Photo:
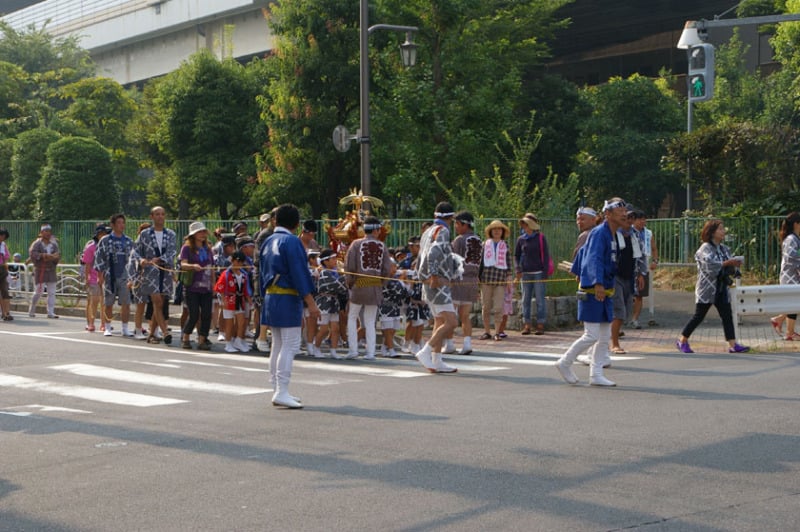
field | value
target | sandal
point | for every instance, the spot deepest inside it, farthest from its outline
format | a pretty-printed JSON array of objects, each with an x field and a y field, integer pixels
[
  {"x": 186, "y": 344},
  {"x": 527, "y": 329},
  {"x": 618, "y": 351},
  {"x": 497, "y": 338},
  {"x": 777, "y": 325},
  {"x": 168, "y": 339},
  {"x": 153, "y": 340},
  {"x": 794, "y": 337},
  {"x": 485, "y": 336}
]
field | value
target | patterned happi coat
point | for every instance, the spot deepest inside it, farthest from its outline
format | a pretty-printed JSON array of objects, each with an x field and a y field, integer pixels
[
  {"x": 790, "y": 260},
  {"x": 330, "y": 288},
  {"x": 155, "y": 280},
  {"x": 366, "y": 262},
  {"x": 395, "y": 294},
  {"x": 470, "y": 247},
  {"x": 709, "y": 260},
  {"x": 416, "y": 309},
  {"x": 436, "y": 257}
]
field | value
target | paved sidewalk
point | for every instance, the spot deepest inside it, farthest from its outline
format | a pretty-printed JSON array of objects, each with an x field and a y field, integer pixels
[{"x": 672, "y": 310}]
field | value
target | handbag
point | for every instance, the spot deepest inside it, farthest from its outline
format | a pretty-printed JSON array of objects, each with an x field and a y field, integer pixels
[{"x": 550, "y": 265}]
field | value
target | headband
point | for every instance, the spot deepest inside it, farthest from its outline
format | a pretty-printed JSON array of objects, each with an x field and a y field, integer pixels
[
  {"x": 443, "y": 214},
  {"x": 613, "y": 205},
  {"x": 586, "y": 210},
  {"x": 371, "y": 227},
  {"x": 46, "y": 227},
  {"x": 470, "y": 223}
]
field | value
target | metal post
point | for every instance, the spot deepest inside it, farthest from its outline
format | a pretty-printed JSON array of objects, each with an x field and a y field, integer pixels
[
  {"x": 689, "y": 120},
  {"x": 363, "y": 134}
]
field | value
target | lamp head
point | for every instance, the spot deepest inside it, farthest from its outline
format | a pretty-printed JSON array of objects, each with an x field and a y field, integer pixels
[
  {"x": 691, "y": 35},
  {"x": 408, "y": 51}
]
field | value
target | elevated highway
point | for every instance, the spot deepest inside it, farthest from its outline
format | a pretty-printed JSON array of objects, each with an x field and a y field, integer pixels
[{"x": 134, "y": 40}]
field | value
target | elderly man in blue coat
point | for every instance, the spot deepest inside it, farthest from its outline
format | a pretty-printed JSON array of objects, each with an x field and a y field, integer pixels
[
  {"x": 287, "y": 284},
  {"x": 596, "y": 265}
]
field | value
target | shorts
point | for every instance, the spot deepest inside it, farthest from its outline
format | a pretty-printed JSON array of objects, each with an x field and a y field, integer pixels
[
  {"x": 438, "y": 309},
  {"x": 94, "y": 290},
  {"x": 623, "y": 299},
  {"x": 391, "y": 323},
  {"x": 417, "y": 323},
  {"x": 644, "y": 292},
  {"x": 229, "y": 314},
  {"x": 457, "y": 303},
  {"x": 328, "y": 317},
  {"x": 118, "y": 292}
]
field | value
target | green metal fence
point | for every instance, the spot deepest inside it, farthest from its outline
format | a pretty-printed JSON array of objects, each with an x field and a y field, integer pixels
[{"x": 757, "y": 238}]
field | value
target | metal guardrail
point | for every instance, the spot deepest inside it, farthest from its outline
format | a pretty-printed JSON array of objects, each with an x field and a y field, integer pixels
[{"x": 69, "y": 284}]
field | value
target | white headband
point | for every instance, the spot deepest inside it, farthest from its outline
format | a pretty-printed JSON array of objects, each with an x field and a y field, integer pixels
[
  {"x": 586, "y": 210},
  {"x": 443, "y": 214},
  {"x": 613, "y": 205},
  {"x": 371, "y": 227}
]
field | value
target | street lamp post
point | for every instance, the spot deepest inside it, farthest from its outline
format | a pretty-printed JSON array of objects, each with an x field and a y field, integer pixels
[{"x": 409, "y": 55}]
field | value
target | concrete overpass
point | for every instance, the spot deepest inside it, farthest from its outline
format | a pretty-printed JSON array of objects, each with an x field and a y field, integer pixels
[{"x": 134, "y": 40}]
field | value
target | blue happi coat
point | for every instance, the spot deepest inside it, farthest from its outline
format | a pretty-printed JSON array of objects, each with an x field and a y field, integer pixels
[
  {"x": 596, "y": 263},
  {"x": 284, "y": 263}
]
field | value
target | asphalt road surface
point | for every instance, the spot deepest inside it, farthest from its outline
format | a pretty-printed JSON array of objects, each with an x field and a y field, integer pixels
[{"x": 101, "y": 434}]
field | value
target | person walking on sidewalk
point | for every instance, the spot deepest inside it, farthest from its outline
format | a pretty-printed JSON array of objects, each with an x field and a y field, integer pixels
[
  {"x": 532, "y": 257},
  {"x": 5, "y": 258},
  {"x": 155, "y": 249},
  {"x": 110, "y": 261},
  {"x": 287, "y": 283},
  {"x": 715, "y": 269},
  {"x": 45, "y": 255},
  {"x": 596, "y": 266},
  {"x": 436, "y": 268},
  {"x": 790, "y": 271},
  {"x": 465, "y": 293}
]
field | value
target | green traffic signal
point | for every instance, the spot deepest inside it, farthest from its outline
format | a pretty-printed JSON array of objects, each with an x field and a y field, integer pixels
[{"x": 700, "y": 80}]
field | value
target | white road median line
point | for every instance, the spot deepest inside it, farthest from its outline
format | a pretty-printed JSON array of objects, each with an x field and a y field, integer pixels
[
  {"x": 85, "y": 392},
  {"x": 89, "y": 370}
]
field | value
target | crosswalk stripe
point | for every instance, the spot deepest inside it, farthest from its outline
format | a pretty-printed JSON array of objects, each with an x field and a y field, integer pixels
[
  {"x": 85, "y": 392},
  {"x": 89, "y": 370},
  {"x": 360, "y": 369}
]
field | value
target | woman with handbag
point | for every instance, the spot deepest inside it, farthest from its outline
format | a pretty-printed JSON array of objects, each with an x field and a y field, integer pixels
[
  {"x": 534, "y": 266},
  {"x": 198, "y": 279},
  {"x": 715, "y": 267}
]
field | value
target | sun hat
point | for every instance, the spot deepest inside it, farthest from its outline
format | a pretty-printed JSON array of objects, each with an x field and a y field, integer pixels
[
  {"x": 196, "y": 227},
  {"x": 264, "y": 218},
  {"x": 530, "y": 220},
  {"x": 494, "y": 225}
]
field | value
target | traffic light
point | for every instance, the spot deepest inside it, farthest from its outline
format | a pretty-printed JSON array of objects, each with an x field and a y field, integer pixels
[{"x": 701, "y": 72}]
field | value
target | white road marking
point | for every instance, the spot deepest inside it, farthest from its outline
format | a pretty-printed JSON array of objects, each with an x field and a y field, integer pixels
[
  {"x": 359, "y": 369},
  {"x": 89, "y": 370},
  {"x": 212, "y": 365},
  {"x": 85, "y": 392}
]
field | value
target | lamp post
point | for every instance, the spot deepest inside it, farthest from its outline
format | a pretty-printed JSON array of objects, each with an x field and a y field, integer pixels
[{"x": 408, "y": 51}]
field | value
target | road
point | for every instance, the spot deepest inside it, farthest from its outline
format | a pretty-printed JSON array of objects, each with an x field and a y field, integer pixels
[{"x": 102, "y": 434}]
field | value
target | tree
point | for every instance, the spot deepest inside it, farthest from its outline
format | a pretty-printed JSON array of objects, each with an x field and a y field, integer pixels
[
  {"x": 209, "y": 127},
  {"x": 314, "y": 80},
  {"x": 30, "y": 157},
  {"x": 623, "y": 141},
  {"x": 6, "y": 151},
  {"x": 444, "y": 115},
  {"x": 77, "y": 183}
]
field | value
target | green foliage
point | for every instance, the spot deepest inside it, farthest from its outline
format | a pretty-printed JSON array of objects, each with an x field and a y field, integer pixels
[
  {"x": 207, "y": 124},
  {"x": 314, "y": 80},
  {"x": 6, "y": 151},
  {"x": 497, "y": 196},
  {"x": 30, "y": 157},
  {"x": 443, "y": 116},
  {"x": 77, "y": 183},
  {"x": 101, "y": 107},
  {"x": 623, "y": 141}
]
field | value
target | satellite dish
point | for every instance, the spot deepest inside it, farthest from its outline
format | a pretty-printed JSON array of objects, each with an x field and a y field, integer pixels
[{"x": 341, "y": 138}]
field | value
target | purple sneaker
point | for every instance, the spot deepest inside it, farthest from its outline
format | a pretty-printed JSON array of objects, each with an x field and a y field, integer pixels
[
  {"x": 683, "y": 347},
  {"x": 737, "y": 348}
]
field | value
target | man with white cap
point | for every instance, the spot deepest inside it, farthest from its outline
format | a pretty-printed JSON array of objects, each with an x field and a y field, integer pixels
[
  {"x": 586, "y": 220},
  {"x": 287, "y": 283},
  {"x": 45, "y": 255},
  {"x": 437, "y": 266},
  {"x": 596, "y": 266}
]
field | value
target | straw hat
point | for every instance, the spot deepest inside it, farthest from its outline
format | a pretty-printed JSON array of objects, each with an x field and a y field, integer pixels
[
  {"x": 530, "y": 220},
  {"x": 494, "y": 225},
  {"x": 196, "y": 227}
]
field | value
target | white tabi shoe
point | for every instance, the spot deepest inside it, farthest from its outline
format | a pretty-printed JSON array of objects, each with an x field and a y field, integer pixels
[
  {"x": 600, "y": 380},
  {"x": 449, "y": 347},
  {"x": 286, "y": 400},
  {"x": 440, "y": 366},
  {"x": 424, "y": 357},
  {"x": 566, "y": 373}
]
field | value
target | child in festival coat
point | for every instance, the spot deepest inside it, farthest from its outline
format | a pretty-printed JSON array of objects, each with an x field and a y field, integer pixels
[
  {"x": 330, "y": 289},
  {"x": 234, "y": 288}
]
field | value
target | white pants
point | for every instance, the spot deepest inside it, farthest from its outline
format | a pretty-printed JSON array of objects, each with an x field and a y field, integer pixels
[
  {"x": 285, "y": 343},
  {"x": 370, "y": 313},
  {"x": 594, "y": 334},
  {"x": 51, "y": 298}
]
